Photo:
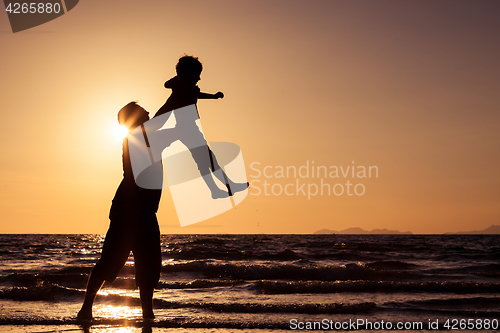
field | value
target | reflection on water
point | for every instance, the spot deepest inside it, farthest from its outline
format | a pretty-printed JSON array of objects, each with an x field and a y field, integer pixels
[
  {"x": 117, "y": 319},
  {"x": 117, "y": 312},
  {"x": 107, "y": 329}
]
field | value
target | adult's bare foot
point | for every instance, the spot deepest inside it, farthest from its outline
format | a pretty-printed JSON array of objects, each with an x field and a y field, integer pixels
[{"x": 84, "y": 315}]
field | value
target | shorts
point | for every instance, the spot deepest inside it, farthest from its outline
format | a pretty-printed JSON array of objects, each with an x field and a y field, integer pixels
[{"x": 144, "y": 242}]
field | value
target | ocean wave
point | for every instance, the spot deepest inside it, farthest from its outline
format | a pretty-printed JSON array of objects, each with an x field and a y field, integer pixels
[
  {"x": 392, "y": 265},
  {"x": 129, "y": 283},
  {"x": 182, "y": 322},
  {"x": 203, "y": 271},
  {"x": 477, "y": 302},
  {"x": 199, "y": 284},
  {"x": 472, "y": 306},
  {"x": 212, "y": 253},
  {"x": 217, "y": 241},
  {"x": 229, "y": 253},
  {"x": 320, "y": 287},
  {"x": 45, "y": 292},
  {"x": 253, "y": 271},
  {"x": 53, "y": 293},
  {"x": 486, "y": 270},
  {"x": 36, "y": 279},
  {"x": 333, "y": 308}
]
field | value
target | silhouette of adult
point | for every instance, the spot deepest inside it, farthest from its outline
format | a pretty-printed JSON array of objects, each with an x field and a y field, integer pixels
[{"x": 133, "y": 227}]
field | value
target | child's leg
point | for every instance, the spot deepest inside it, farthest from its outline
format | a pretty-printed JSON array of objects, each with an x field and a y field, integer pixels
[
  {"x": 222, "y": 176},
  {"x": 201, "y": 156},
  {"x": 198, "y": 148}
]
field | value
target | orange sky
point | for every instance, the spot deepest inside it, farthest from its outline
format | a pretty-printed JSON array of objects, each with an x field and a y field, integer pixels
[{"x": 408, "y": 86}]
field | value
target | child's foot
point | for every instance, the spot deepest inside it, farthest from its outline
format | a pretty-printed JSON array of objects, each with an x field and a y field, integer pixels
[
  {"x": 219, "y": 194},
  {"x": 238, "y": 187}
]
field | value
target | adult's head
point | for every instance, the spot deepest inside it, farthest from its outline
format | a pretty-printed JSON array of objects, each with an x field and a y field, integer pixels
[
  {"x": 189, "y": 67},
  {"x": 132, "y": 115}
]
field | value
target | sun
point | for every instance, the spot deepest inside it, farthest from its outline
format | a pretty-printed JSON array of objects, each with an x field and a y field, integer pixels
[{"x": 120, "y": 132}]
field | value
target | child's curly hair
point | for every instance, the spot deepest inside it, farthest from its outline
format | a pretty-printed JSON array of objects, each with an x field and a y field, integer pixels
[{"x": 188, "y": 65}]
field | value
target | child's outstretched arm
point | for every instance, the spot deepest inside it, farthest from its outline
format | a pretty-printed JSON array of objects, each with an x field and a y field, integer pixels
[{"x": 202, "y": 95}]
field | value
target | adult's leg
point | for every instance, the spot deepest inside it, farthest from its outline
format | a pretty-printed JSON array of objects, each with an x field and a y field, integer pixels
[
  {"x": 94, "y": 283},
  {"x": 146, "y": 294},
  {"x": 147, "y": 257},
  {"x": 114, "y": 255}
]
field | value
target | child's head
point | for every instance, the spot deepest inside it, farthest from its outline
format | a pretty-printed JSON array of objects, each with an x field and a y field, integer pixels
[
  {"x": 188, "y": 66},
  {"x": 132, "y": 115}
]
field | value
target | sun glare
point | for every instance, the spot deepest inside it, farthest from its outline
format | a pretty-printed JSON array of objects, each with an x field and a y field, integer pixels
[{"x": 120, "y": 132}]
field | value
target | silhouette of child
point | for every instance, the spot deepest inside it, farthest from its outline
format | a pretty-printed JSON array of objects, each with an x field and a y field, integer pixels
[
  {"x": 184, "y": 89},
  {"x": 185, "y": 92}
]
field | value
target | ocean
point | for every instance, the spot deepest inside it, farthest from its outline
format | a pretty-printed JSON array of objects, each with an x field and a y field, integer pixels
[{"x": 260, "y": 283}]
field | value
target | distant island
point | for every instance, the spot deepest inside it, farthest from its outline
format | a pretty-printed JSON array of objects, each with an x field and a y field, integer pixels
[
  {"x": 362, "y": 231},
  {"x": 493, "y": 230}
]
